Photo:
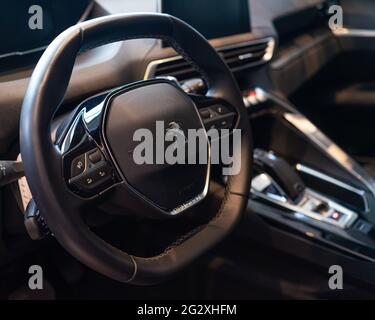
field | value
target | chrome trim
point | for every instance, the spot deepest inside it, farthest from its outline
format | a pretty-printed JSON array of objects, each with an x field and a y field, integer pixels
[
  {"x": 311, "y": 132},
  {"x": 301, "y": 213},
  {"x": 351, "y": 216},
  {"x": 189, "y": 204},
  {"x": 268, "y": 55},
  {"x": 268, "y": 182},
  {"x": 69, "y": 135},
  {"x": 22, "y": 53},
  {"x": 322, "y": 176},
  {"x": 306, "y": 127},
  {"x": 150, "y": 69},
  {"x": 345, "y": 32}
]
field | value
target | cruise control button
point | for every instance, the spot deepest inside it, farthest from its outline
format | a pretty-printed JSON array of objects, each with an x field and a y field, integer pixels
[
  {"x": 94, "y": 178},
  {"x": 88, "y": 181},
  {"x": 78, "y": 166},
  {"x": 95, "y": 156}
]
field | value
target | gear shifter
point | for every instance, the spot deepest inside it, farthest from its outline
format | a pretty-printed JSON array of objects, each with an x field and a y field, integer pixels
[
  {"x": 276, "y": 181},
  {"x": 281, "y": 172}
]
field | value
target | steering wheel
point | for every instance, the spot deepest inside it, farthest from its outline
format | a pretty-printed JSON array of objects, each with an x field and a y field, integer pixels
[{"x": 91, "y": 155}]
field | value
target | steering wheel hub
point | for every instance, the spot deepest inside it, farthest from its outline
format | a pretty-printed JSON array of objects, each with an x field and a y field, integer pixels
[{"x": 136, "y": 129}]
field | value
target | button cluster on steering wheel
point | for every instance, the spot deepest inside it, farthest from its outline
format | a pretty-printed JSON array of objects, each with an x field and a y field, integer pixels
[
  {"x": 87, "y": 170},
  {"x": 217, "y": 117},
  {"x": 93, "y": 170},
  {"x": 90, "y": 173}
]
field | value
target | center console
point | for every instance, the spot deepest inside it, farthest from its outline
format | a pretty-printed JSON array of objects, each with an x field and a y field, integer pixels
[{"x": 305, "y": 184}]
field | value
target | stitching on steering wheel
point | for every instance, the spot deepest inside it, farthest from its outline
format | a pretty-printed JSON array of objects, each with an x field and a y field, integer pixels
[{"x": 191, "y": 233}]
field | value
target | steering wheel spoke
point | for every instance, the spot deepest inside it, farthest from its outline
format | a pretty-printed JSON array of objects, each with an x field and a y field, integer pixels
[{"x": 87, "y": 168}]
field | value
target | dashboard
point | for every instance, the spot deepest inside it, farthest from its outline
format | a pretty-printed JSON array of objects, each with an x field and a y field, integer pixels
[{"x": 246, "y": 38}]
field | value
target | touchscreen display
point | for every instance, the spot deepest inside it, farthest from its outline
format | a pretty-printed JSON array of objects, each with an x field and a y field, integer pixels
[{"x": 212, "y": 18}]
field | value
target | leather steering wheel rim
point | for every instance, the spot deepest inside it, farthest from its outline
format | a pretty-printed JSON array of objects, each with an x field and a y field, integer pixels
[{"x": 42, "y": 162}]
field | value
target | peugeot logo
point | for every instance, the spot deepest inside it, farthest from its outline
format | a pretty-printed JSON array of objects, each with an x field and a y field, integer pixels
[{"x": 173, "y": 131}]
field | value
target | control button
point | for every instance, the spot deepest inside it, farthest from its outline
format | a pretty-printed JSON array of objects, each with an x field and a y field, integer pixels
[
  {"x": 102, "y": 174},
  {"x": 94, "y": 179},
  {"x": 205, "y": 113},
  {"x": 336, "y": 215},
  {"x": 221, "y": 109},
  {"x": 95, "y": 156},
  {"x": 322, "y": 208},
  {"x": 87, "y": 181},
  {"x": 78, "y": 166},
  {"x": 226, "y": 123}
]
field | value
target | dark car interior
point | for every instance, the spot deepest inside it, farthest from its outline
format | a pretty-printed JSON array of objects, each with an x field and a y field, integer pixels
[{"x": 71, "y": 201}]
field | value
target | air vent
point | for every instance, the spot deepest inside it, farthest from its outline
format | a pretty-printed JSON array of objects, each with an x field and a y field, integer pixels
[
  {"x": 237, "y": 57},
  {"x": 176, "y": 67},
  {"x": 249, "y": 54}
]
